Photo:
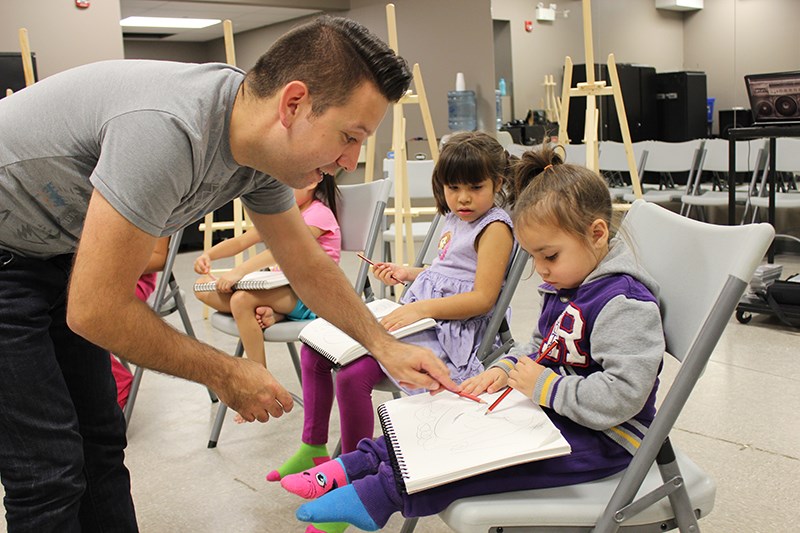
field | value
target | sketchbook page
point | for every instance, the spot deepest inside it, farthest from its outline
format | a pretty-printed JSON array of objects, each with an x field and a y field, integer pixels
[
  {"x": 443, "y": 438},
  {"x": 339, "y": 347}
]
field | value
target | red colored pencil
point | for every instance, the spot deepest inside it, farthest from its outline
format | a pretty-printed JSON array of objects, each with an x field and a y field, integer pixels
[
  {"x": 509, "y": 389},
  {"x": 470, "y": 397},
  {"x": 498, "y": 400},
  {"x": 373, "y": 264}
]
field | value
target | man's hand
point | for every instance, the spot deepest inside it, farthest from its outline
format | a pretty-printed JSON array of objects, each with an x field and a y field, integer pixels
[
  {"x": 253, "y": 392},
  {"x": 415, "y": 367}
]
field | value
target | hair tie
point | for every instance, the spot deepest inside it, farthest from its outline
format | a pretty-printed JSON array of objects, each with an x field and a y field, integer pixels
[{"x": 546, "y": 168}]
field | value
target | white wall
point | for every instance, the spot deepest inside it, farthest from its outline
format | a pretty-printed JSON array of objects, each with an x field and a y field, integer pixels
[
  {"x": 731, "y": 38},
  {"x": 61, "y": 35}
]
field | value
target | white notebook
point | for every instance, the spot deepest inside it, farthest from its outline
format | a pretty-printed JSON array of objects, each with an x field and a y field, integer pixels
[
  {"x": 339, "y": 347},
  {"x": 254, "y": 281},
  {"x": 442, "y": 438}
]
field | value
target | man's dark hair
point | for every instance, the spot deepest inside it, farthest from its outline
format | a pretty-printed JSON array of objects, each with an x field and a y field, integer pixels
[{"x": 332, "y": 56}]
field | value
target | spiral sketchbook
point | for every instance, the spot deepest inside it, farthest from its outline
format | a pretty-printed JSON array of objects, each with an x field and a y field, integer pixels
[
  {"x": 433, "y": 440},
  {"x": 339, "y": 347},
  {"x": 254, "y": 281}
]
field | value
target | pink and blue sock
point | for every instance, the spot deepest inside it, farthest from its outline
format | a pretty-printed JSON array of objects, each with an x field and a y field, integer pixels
[
  {"x": 316, "y": 481},
  {"x": 341, "y": 505}
]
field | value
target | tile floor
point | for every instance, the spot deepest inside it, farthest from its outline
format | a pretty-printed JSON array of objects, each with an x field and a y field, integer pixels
[{"x": 741, "y": 425}]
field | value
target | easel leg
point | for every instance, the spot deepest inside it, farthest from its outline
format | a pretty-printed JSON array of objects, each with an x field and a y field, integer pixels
[{"x": 619, "y": 103}]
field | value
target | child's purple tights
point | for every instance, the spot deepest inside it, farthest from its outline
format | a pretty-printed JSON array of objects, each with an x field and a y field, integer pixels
[{"x": 354, "y": 384}]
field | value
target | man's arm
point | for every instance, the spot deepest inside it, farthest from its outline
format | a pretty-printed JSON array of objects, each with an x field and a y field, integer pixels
[
  {"x": 102, "y": 307},
  {"x": 323, "y": 287}
]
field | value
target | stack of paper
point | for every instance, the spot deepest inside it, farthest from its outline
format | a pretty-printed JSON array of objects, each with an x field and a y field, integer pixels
[{"x": 764, "y": 276}]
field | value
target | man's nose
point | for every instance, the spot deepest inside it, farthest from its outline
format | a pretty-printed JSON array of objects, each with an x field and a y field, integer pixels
[{"x": 349, "y": 158}]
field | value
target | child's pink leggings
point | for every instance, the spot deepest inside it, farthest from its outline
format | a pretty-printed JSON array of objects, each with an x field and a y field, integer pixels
[{"x": 354, "y": 384}]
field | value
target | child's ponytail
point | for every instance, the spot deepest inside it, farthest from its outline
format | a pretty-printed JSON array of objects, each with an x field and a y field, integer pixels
[{"x": 531, "y": 166}]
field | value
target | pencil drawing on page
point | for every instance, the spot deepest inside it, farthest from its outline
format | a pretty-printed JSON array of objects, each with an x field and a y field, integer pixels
[{"x": 460, "y": 427}]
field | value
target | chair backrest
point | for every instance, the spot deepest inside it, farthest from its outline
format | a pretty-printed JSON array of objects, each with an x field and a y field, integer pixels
[
  {"x": 702, "y": 270},
  {"x": 670, "y": 246},
  {"x": 787, "y": 154},
  {"x": 716, "y": 156},
  {"x": 505, "y": 139},
  {"x": 672, "y": 156},
  {"x": 419, "y": 177},
  {"x": 612, "y": 156},
  {"x": 360, "y": 226},
  {"x": 574, "y": 154}
]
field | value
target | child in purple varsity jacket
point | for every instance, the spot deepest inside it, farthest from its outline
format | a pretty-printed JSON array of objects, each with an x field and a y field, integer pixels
[{"x": 598, "y": 384}]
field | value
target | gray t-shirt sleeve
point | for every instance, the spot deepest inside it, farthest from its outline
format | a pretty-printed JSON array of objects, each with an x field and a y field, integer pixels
[{"x": 145, "y": 167}]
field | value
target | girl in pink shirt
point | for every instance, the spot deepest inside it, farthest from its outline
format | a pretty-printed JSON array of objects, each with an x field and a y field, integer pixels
[{"x": 256, "y": 310}]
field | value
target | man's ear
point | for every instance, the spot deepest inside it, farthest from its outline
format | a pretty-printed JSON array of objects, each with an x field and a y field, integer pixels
[
  {"x": 599, "y": 232},
  {"x": 294, "y": 97}
]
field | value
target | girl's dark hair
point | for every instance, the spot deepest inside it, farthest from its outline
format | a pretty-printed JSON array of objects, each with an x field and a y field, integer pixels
[
  {"x": 332, "y": 56},
  {"x": 327, "y": 192},
  {"x": 548, "y": 191},
  {"x": 469, "y": 158}
]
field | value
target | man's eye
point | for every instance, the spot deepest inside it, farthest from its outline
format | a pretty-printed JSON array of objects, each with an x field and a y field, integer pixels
[{"x": 551, "y": 257}]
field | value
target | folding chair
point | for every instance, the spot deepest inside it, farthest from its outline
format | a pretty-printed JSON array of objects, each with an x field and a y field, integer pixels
[
  {"x": 787, "y": 163},
  {"x": 703, "y": 270},
  {"x": 165, "y": 300},
  {"x": 360, "y": 228},
  {"x": 715, "y": 162},
  {"x": 613, "y": 164},
  {"x": 667, "y": 158}
]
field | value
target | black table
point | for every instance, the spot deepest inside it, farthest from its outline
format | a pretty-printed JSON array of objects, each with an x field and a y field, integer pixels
[{"x": 746, "y": 134}]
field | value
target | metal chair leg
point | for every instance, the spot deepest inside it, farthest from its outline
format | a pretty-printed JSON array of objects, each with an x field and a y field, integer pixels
[
  {"x": 222, "y": 409},
  {"x": 134, "y": 392}
]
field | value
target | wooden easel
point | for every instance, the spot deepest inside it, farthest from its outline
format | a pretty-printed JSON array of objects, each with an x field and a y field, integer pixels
[
  {"x": 240, "y": 220},
  {"x": 403, "y": 212},
  {"x": 27, "y": 62},
  {"x": 592, "y": 89},
  {"x": 551, "y": 102}
]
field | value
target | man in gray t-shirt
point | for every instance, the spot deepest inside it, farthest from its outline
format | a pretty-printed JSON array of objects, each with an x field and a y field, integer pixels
[{"x": 96, "y": 164}]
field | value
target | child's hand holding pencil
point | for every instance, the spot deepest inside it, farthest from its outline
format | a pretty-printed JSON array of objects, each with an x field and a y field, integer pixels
[
  {"x": 523, "y": 376},
  {"x": 384, "y": 271}
]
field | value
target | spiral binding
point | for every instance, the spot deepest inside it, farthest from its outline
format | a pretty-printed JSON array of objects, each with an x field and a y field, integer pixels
[
  {"x": 395, "y": 454},
  {"x": 317, "y": 348},
  {"x": 251, "y": 285}
]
